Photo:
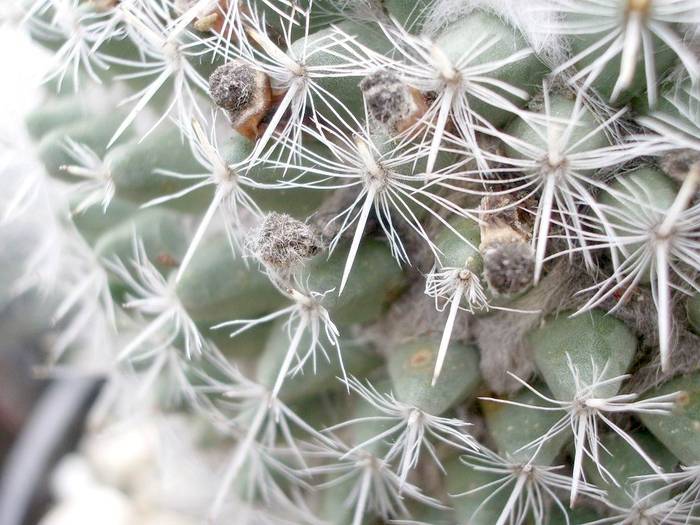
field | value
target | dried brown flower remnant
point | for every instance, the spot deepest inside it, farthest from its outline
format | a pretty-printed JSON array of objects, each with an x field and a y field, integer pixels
[
  {"x": 391, "y": 102},
  {"x": 244, "y": 93},
  {"x": 509, "y": 261},
  {"x": 282, "y": 243}
]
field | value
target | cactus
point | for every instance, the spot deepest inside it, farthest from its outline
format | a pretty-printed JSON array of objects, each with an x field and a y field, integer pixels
[{"x": 291, "y": 225}]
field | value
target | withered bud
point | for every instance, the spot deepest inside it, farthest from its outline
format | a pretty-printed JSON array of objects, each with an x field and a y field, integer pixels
[
  {"x": 678, "y": 164},
  {"x": 509, "y": 267},
  {"x": 509, "y": 260},
  {"x": 244, "y": 92},
  {"x": 282, "y": 243},
  {"x": 391, "y": 102}
]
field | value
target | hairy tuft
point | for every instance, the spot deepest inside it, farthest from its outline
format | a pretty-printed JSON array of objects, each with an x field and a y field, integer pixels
[
  {"x": 282, "y": 243},
  {"x": 390, "y": 101}
]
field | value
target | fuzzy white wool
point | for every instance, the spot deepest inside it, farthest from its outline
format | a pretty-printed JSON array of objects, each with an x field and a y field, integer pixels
[
  {"x": 102, "y": 505},
  {"x": 120, "y": 455},
  {"x": 528, "y": 16}
]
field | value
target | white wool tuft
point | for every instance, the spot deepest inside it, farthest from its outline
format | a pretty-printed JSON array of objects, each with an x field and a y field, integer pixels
[{"x": 530, "y": 17}]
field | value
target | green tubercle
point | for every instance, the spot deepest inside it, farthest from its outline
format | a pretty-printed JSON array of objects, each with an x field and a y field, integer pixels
[
  {"x": 625, "y": 465},
  {"x": 692, "y": 310},
  {"x": 314, "y": 377},
  {"x": 217, "y": 287},
  {"x": 94, "y": 133},
  {"x": 679, "y": 431},
  {"x": 513, "y": 428},
  {"x": 455, "y": 253},
  {"x": 591, "y": 341},
  {"x": 375, "y": 282},
  {"x": 411, "y": 368}
]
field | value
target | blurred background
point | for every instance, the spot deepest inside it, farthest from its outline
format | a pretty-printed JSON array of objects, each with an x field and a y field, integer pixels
[{"x": 41, "y": 418}]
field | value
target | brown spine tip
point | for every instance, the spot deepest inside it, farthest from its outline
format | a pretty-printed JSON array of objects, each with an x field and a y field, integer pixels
[
  {"x": 392, "y": 102},
  {"x": 244, "y": 93}
]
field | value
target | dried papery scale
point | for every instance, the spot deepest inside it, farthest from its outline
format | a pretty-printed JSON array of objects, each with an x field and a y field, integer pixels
[
  {"x": 391, "y": 102},
  {"x": 219, "y": 16},
  {"x": 244, "y": 93},
  {"x": 628, "y": 42},
  {"x": 551, "y": 160},
  {"x": 282, "y": 245},
  {"x": 458, "y": 280},
  {"x": 508, "y": 258}
]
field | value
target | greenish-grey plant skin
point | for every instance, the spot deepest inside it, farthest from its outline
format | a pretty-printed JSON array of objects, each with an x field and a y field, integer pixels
[
  {"x": 679, "y": 430},
  {"x": 93, "y": 222},
  {"x": 579, "y": 515},
  {"x": 60, "y": 112},
  {"x": 454, "y": 252},
  {"x": 527, "y": 73},
  {"x": 93, "y": 132},
  {"x": 664, "y": 59},
  {"x": 561, "y": 106},
  {"x": 160, "y": 231},
  {"x": 216, "y": 287},
  {"x": 590, "y": 340},
  {"x": 332, "y": 508},
  {"x": 133, "y": 167},
  {"x": 297, "y": 202},
  {"x": 225, "y": 285},
  {"x": 410, "y": 14},
  {"x": 513, "y": 429},
  {"x": 411, "y": 368},
  {"x": 376, "y": 282},
  {"x": 345, "y": 88},
  {"x": 462, "y": 478},
  {"x": 358, "y": 359},
  {"x": 370, "y": 424},
  {"x": 245, "y": 346},
  {"x": 626, "y": 466}
]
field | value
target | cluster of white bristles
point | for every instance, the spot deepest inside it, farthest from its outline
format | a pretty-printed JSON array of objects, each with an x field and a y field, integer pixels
[{"x": 388, "y": 182}]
